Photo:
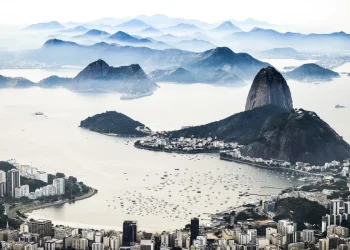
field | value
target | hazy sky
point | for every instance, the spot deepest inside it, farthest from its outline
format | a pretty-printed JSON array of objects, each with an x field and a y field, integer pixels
[{"x": 316, "y": 14}]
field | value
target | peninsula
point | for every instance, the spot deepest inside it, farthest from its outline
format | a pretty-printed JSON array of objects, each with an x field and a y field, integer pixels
[
  {"x": 269, "y": 128},
  {"x": 31, "y": 189}
]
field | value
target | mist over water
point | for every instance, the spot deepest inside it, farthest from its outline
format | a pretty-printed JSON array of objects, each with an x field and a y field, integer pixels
[{"x": 113, "y": 166}]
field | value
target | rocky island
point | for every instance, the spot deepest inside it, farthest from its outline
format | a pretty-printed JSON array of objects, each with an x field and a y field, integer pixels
[
  {"x": 271, "y": 129},
  {"x": 125, "y": 79},
  {"x": 311, "y": 72},
  {"x": 114, "y": 123}
]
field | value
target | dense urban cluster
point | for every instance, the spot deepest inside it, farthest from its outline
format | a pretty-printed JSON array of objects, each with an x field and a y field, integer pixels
[
  {"x": 160, "y": 141},
  {"x": 254, "y": 226},
  {"x": 331, "y": 167},
  {"x": 10, "y": 183}
]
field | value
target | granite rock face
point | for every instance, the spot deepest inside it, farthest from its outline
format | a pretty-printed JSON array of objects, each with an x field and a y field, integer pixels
[
  {"x": 92, "y": 71},
  {"x": 269, "y": 88}
]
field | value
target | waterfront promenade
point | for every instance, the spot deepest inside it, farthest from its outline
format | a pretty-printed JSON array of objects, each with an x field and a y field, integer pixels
[{"x": 27, "y": 208}]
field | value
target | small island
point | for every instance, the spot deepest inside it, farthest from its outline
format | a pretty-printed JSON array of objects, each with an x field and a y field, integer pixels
[
  {"x": 115, "y": 124},
  {"x": 311, "y": 72},
  {"x": 339, "y": 106}
]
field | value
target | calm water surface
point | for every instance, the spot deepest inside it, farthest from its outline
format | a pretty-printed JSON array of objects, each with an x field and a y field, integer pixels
[{"x": 150, "y": 189}]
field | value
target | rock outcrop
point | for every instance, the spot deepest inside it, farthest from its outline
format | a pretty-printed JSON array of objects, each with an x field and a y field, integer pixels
[
  {"x": 269, "y": 88},
  {"x": 93, "y": 71}
]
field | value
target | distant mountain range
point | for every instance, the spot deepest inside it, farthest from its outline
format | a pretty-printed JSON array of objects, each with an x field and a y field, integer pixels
[
  {"x": 97, "y": 76},
  {"x": 163, "y": 21},
  {"x": 94, "y": 33},
  {"x": 60, "y": 52},
  {"x": 45, "y": 26},
  {"x": 240, "y": 64},
  {"x": 194, "y": 45},
  {"x": 264, "y": 39},
  {"x": 132, "y": 25},
  {"x": 123, "y": 37},
  {"x": 281, "y": 53},
  {"x": 226, "y": 28},
  {"x": 150, "y": 32},
  {"x": 76, "y": 29},
  {"x": 181, "y": 75},
  {"x": 177, "y": 75},
  {"x": 14, "y": 82},
  {"x": 182, "y": 28}
]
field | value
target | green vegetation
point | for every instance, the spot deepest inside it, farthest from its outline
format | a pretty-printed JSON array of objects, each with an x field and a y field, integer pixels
[
  {"x": 249, "y": 214},
  {"x": 33, "y": 184},
  {"x": 5, "y": 166},
  {"x": 300, "y": 210},
  {"x": 73, "y": 188},
  {"x": 4, "y": 219},
  {"x": 113, "y": 122},
  {"x": 271, "y": 132},
  {"x": 339, "y": 185}
]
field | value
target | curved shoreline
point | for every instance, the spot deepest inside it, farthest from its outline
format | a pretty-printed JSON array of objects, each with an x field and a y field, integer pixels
[
  {"x": 24, "y": 209},
  {"x": 267, "y": 167},
  {"x": 206, "y": 151}
]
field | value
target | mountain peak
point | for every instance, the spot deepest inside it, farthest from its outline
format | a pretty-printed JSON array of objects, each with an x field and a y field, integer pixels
[
  {"x": 58, "y": 42},
  {"x": 227, "y": 26},
  {"x": 220, "y": 51},
  {"x": 94, "y": 70},
  {"x": 45, "y": 26},
  {"x": 269, "y": 88},
  {"x": 133, "y": 23},
  {"x": 96, "y": 32}
]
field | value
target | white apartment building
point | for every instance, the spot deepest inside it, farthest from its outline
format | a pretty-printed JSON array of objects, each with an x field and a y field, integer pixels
[
  {"x": 31, "y": 246},
  {"x": 97, "y": 246},
  {"x": 114, "y": 242},
  {"x": 22, "y": 191},
  {"x": 59, "y": 184},
  {"x": 2, "y": 176}
]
